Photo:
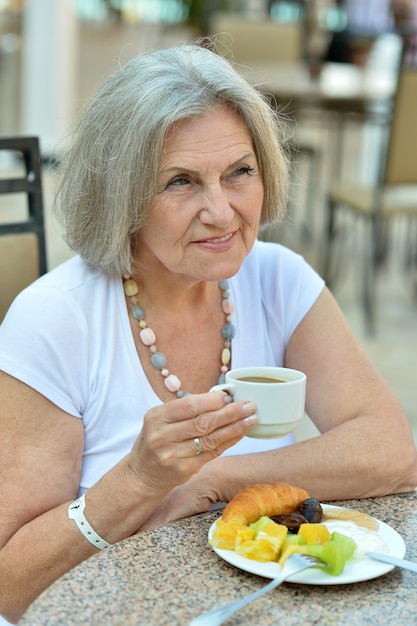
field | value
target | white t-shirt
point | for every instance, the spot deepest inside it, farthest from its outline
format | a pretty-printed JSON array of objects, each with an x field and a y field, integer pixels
[{"x": 68, "y": 336}]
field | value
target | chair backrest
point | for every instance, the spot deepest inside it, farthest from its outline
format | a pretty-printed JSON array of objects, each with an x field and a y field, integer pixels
[
  {"x": 401, "y": 162},
  {"x": 22, "y": 232},
  {"x": 250, "y": 40}
]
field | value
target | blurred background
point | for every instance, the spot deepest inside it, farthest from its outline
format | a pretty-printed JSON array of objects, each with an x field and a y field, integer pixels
[{"x": 331, "y": 68}]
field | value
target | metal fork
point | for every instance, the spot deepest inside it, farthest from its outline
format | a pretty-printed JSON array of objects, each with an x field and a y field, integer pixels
[{"x": 295, "y": 564}]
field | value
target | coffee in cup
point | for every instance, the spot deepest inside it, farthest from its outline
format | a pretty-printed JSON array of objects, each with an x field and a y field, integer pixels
[{"x": 277, "y": 392}]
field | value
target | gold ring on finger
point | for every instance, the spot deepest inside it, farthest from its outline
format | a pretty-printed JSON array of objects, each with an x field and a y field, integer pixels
[{"x": 198, "y": 447}]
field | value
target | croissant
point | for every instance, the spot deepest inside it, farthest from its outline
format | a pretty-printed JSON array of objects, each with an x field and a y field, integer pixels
[{"x": 270, "y": 499}]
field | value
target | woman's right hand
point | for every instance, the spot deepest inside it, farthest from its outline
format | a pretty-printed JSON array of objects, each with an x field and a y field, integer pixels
[{"x": 165, "y": 454}]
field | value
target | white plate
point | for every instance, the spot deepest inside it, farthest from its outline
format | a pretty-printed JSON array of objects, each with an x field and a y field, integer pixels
[{"x": 356, "y": 570}]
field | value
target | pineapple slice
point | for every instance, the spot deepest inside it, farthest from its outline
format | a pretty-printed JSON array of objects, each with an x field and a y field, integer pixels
[
  {"x": 315, "y": 533},
  {"x": 258, "y": 550},
  {"x": 227, "y": 535}
]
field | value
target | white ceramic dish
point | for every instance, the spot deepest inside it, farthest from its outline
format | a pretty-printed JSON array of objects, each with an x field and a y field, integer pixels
[{"x": 356, "y": 570}]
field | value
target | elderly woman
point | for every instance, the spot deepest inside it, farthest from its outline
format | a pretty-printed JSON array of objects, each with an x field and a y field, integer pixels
[{"x": 106, "y": 423}]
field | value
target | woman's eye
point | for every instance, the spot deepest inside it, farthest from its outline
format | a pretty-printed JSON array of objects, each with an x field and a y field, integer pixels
[
  {"x": 178, "y": 182},
  {"x": 242, "y": 171}
]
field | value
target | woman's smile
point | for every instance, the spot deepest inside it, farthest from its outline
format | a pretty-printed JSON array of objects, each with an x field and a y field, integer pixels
[{"x": 218, "y": 244}]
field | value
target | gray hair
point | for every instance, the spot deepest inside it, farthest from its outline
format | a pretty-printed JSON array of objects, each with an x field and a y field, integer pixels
[{"x": 109, "y": 174}]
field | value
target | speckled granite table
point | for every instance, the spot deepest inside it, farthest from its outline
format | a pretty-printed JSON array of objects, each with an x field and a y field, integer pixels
[{"x": 169, "y": 575}]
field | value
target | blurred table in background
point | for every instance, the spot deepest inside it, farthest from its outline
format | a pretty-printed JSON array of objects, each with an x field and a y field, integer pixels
[
  {"x": 327, "y": 106},
  {"x": 339, "y": 87}
]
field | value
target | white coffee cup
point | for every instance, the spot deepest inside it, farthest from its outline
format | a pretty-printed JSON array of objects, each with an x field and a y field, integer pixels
[{"x": 277, "y": 392}]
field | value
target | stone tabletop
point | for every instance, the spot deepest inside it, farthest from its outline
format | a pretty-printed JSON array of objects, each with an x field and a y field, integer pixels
[{"x": 169, "y": 575}]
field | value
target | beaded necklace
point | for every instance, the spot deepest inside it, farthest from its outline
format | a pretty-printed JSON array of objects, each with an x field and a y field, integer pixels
[{"x": 148, "y": 337}]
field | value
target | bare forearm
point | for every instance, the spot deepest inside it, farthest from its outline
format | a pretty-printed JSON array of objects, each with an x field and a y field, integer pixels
[
  {"x": 355, "y": 460},
  {"x": 51, "y": 544}
]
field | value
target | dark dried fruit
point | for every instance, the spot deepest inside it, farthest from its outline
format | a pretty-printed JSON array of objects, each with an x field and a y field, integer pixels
[
  {"x": 292, "y": 521},
  {"x": 312, "y": 511}
]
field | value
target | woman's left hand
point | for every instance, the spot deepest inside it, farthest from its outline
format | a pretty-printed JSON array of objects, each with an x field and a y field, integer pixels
[{"x": 194, "y": 496}]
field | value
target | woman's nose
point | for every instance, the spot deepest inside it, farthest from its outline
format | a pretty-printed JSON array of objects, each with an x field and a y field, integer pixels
[{"x": 216, "y": 209}]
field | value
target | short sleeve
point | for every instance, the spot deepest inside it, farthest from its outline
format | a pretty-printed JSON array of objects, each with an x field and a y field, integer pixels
[{"x": 43, "y": 343}]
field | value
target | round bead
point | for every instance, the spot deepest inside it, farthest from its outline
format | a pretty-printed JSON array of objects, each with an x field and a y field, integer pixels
[
  {"x": 158, "y": 360},
  {"x": 172, "y": 383},
  {"x": 228, "y": 331},
  {"x": 224, "y": 369},
  {"x": 224, "y": 284},
  {"x": 147, "y": 336},
  {"x": 142, "y": 324},
  {"x": 164, "y": 372},
  {"x": 227, "y": 307},
  {"x": 137, "y": 312},
  {"x": 226, "y": 356},
  {"x": 130, "y": 287},
  {"x": 180, "y": 393}
]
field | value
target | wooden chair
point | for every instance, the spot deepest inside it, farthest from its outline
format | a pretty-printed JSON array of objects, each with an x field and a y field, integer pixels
[
  {"x": 22, "y": 232},
  {"x": 393, "y": 195}
]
